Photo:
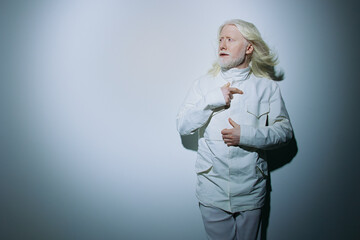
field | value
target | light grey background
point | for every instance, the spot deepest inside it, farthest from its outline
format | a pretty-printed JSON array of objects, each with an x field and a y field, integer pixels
[{"x": 89, "y": 96}]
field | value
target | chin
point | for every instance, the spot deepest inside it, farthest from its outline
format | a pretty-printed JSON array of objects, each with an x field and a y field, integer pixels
[
  {"x": 230, "y": 63},
  {"x": 225, "y": 64}
]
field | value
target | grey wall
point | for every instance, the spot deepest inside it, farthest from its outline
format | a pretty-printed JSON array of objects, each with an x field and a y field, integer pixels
[{"x": 89, "y": 95}]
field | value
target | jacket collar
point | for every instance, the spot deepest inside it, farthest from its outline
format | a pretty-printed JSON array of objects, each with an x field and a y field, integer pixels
[{"x": 236, "y": 74}]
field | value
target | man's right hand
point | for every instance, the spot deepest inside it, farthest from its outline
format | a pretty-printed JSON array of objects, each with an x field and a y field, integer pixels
[{"x": 228, "y": 92}]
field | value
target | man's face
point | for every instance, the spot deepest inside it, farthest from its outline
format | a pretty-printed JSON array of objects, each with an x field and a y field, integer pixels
[{"x": 233, "y": 48}]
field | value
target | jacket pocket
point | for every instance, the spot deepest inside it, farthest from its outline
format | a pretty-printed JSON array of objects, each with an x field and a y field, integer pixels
[
  {"x": 262, "y": 169},
  {"x": 258, "y": 113},
  {"x": 258, "y": 109}
]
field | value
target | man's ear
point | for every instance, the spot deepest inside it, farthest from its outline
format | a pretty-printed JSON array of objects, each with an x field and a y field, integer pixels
[{"x": 249, "y": 49}]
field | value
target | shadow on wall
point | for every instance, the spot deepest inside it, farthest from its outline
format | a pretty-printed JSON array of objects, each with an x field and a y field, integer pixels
[{"x": 276, "y": 159}]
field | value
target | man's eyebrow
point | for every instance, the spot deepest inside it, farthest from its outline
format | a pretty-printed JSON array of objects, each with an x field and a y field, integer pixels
[{"x": 225, "y": 37}]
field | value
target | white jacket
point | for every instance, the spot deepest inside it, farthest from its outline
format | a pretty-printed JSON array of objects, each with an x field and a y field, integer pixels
[{"x": 234, "y": 178}]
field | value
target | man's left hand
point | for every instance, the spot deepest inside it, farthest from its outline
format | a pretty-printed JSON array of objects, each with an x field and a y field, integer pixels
[{"x": 231, "y": 137}]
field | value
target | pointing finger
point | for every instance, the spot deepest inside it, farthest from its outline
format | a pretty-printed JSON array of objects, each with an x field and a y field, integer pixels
[{"x": 235, "y": 90}]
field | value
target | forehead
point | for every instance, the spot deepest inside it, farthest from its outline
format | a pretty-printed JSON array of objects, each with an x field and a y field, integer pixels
[{"x": 230, "y": 31}]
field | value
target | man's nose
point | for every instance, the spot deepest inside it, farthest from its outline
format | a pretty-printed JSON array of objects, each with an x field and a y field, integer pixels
[{"x": 222, "y": 45}]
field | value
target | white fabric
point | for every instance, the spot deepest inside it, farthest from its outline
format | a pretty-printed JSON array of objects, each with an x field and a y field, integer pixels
[
  {"x": 234, "y": 178},
  {"x": 219, "y": 224}
]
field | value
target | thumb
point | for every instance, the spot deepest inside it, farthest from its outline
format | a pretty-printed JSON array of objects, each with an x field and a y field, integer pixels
[{"x": 233, "y": 123}]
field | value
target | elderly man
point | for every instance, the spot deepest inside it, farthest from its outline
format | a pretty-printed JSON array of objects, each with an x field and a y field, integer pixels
[{"x": 238, "y": 112}]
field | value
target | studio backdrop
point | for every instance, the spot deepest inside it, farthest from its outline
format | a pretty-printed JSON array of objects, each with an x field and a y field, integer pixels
[{"x": 89, "y": 96}]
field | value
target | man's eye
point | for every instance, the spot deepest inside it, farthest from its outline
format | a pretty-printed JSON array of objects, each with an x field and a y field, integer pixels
[{"x": 229, "y": 39}]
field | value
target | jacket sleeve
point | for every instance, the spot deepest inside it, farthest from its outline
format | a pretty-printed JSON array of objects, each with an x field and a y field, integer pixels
[
  {"x": 197, "y": 108},
  {"x": 277, "y": 132}
]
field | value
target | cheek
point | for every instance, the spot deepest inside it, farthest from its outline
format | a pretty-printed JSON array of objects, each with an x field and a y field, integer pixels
[{"x": 238, "y": 52}]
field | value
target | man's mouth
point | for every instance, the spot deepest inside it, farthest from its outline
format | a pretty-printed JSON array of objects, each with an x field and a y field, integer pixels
[{"x": 222, "y": 54}]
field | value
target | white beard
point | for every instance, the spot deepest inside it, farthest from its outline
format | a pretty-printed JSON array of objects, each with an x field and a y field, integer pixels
[{"x": 231, "y": 63}]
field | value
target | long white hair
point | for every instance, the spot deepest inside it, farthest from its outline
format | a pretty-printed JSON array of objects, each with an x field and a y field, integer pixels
[{"x": 262, "y": 61}]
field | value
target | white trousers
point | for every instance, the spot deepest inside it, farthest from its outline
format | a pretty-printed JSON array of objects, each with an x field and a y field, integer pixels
[{"x": 222, "y": 225}]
